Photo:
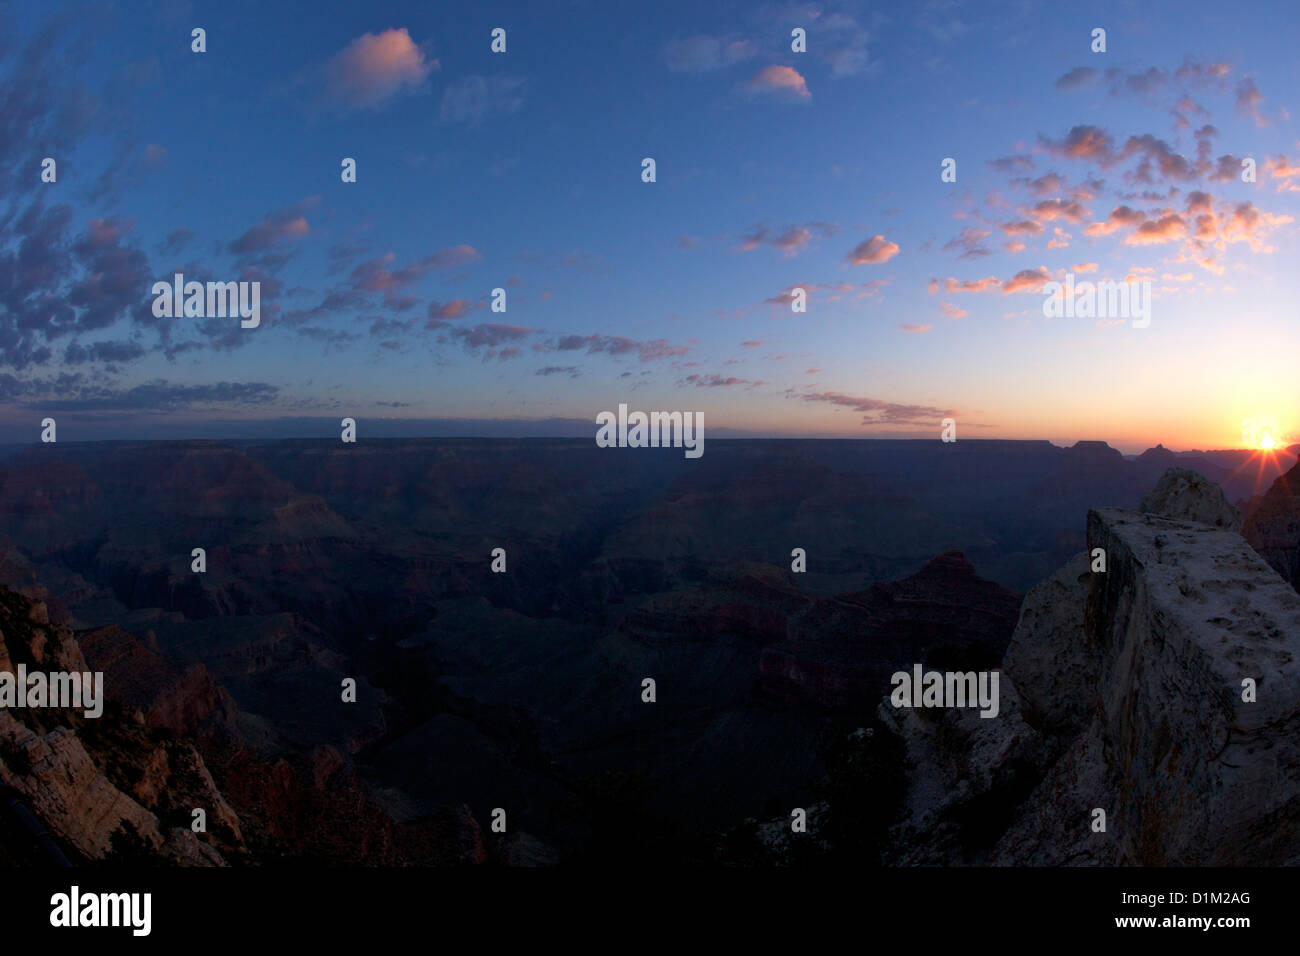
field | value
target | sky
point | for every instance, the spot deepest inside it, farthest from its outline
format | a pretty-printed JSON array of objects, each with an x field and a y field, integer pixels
[{"x": 774, "y": 170}]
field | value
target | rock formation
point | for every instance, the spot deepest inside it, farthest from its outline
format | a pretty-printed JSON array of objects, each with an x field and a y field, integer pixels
[
  {"x": 1126, "y": 691},
  {"x": 1185, "y": 494},
  {"x": 122, "y": 787},
  {"x": 1273, "y": 528}
]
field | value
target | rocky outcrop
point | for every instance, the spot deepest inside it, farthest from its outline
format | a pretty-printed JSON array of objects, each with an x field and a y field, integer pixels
[
  {"x": 1050, "y": 656},
  {"x": 1187, "y": 495},
  {"x": 1164, "y": 691},
  {"x": 104, "y": 786},
  {"x": 1273, "y": 527},
  {"x": 1184, "y": 616},
  {"x": 122, "y": 787}
]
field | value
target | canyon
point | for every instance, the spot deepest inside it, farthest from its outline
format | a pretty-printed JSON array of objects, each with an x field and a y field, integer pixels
[{"x": 522, "y": 690}]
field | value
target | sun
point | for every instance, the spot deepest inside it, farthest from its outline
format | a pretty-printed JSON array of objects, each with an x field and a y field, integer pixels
[{"x": 1267, "y": 442}]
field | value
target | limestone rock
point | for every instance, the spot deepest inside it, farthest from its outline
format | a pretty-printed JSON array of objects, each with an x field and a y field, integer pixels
[
  {"x": 1190, "y": 496},
  {"x": 1050, "y": 657}
]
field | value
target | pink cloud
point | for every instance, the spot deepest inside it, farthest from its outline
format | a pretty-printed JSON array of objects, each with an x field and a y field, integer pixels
[
  {"x": 1026, "y": 227},
  {"x": 780, "y": 79},
  {"x": 1026, "y": 280},
  {"x": 374, "y": 67},
  {"x": 874, "y": 250},
  {"x": 1280, "y": 168},
  {"x": 454, "y": 309},
  {"x": 1245, "y": 223},
  {"x": 279, "y": 226},
  {"x": 971, "y": 285},
  {"x": 1168, "y": 228},
  {"x": 1119, "y": 217},
  {"x": 374, "y": 275},
  {"x": 1050, "y": 209}
]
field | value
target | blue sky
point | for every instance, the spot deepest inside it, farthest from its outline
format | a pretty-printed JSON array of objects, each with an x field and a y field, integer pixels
[{"x": 522, "y": 170}]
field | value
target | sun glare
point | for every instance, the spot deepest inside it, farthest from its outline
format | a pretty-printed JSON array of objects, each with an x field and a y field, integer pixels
[{"x": 1267, "y": 442}]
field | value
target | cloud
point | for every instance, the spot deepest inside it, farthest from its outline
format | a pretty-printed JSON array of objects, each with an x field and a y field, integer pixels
[
  {"x": 790, "y": 241},
  {"x": 570, "y": 370},
  {"x": 76, "y": 354},
  {"x": 1079, "y": 76},
  {"x": 454, "y": 309},
  {"x": 703, "y": 53},
  {"x": 475, "y": 98},
  {"x": 161, "y": 395},
  {"x": 1044, "y": 184},
  {"x": 1280, "y": 168},
  {"x": 1119, "y": 217},
  {"x": 1243, "y": 222},
  {"x": 782, "y": 81},
  {"x": 952, "y": 311},
  {"x": 375, "y": 67},
  {"x": 936, "y": 20},
  {"x": 112, "y": 279},
  {"x": 843, "y": 43},
  {"x": 279, "y": 226},
  {"x": 970, "y": 241},
  {"x": 1149, "y": 81},
  {"x": 618, "y": 345},
  {"x": 1026, "y": 280},
  {"x": 879, "y": 412},
  {"x": 915, "y": 328},
  {"x": 1083, "y": 142},
  {"x": 375, "y": 276},
  {"x": 1025, "y": 227},
  {"x": 872, "y": 251},
  {"x": 1012, "y": 164},
  {"x": 489, "y": 334},
  {"x": 1050, "y": 209},
  {"x": 1195, "y": 71},
  {"x": 970, "y": 285},
  {"x": 177, "y": 240},
  {"x": 1248, "y": 100},
  {"x": 714, "y": 381},
  {"x": 1168, "y": 228}
]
